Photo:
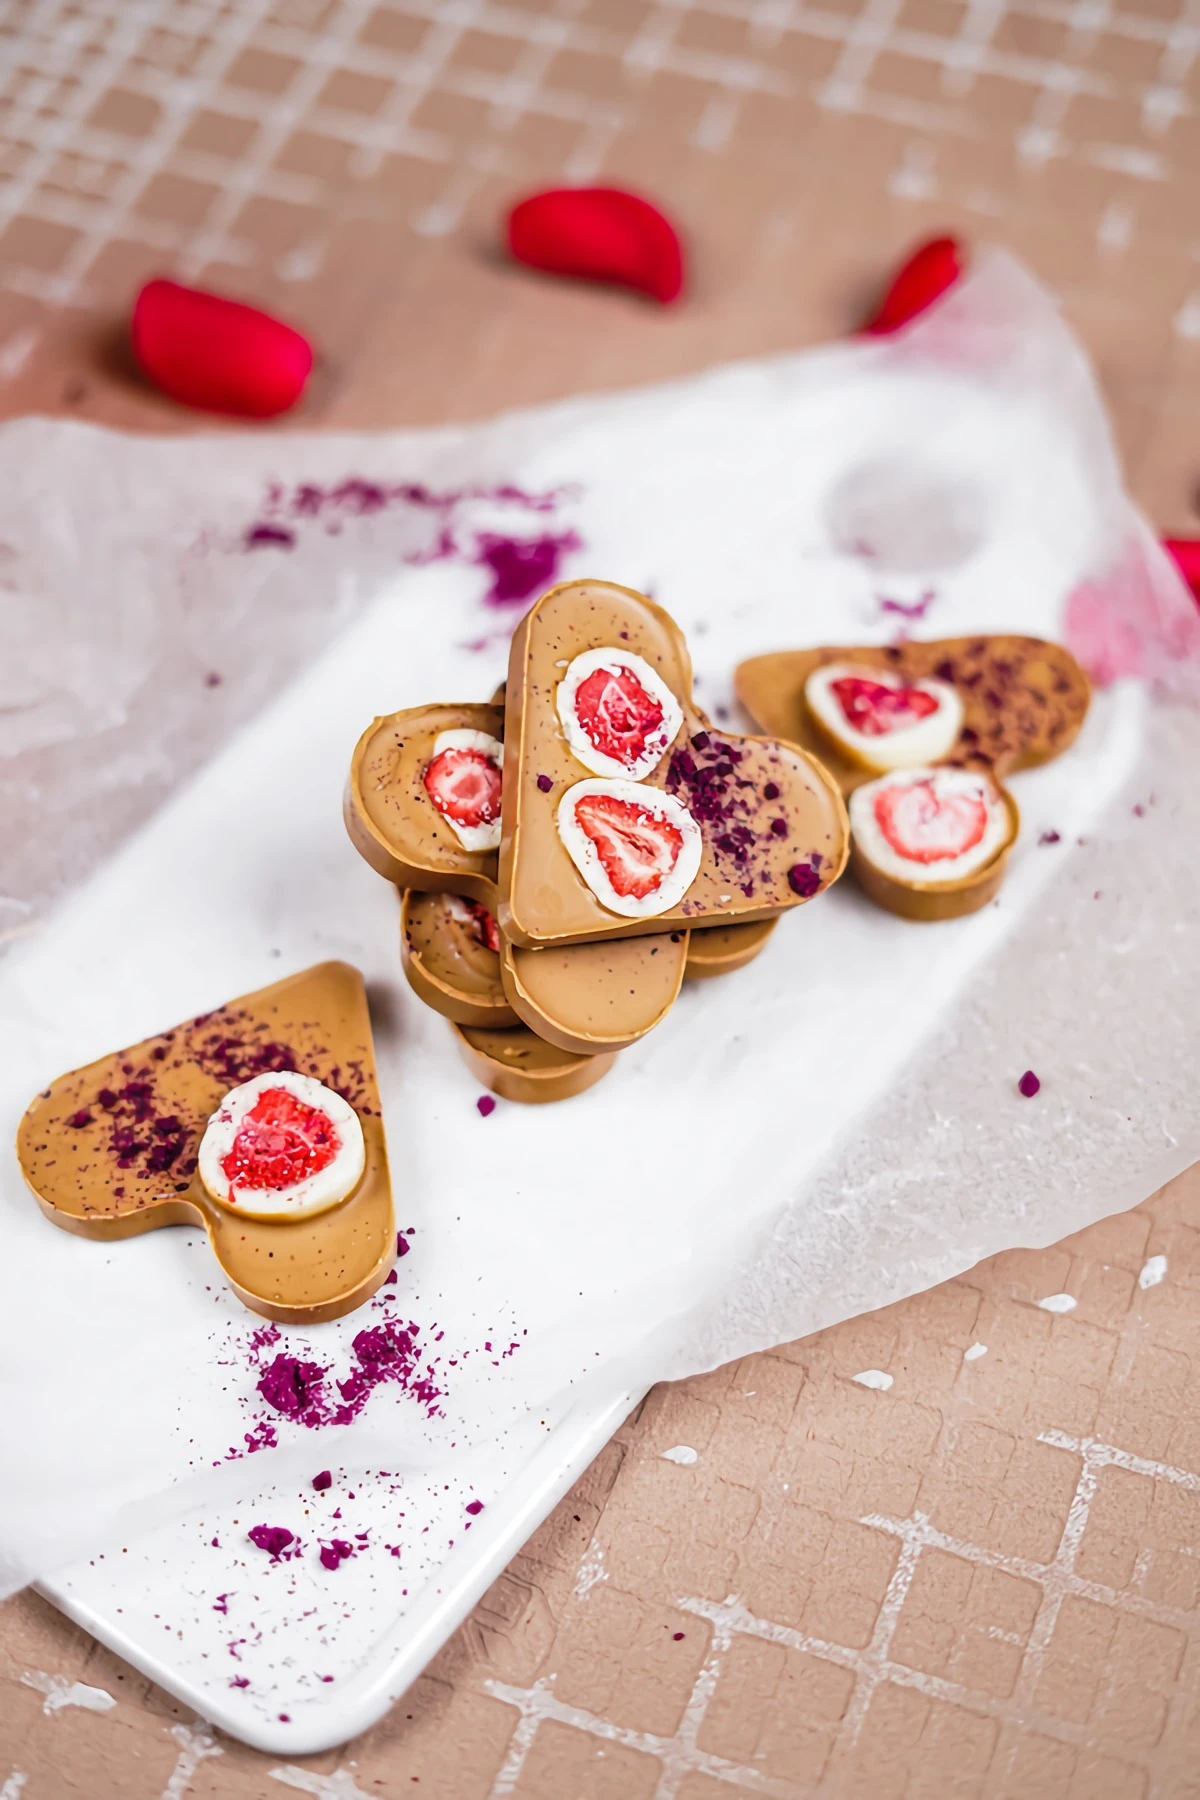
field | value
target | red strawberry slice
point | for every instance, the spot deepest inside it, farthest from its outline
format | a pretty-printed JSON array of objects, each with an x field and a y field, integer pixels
[
  {"x": 926, "y": 827},
  {"x": 484, "y": 928},
  {"x": 280, "y": 1141},
  {"x": 464, "y": 785},
  {"x": 637, "y": 849},
  {"x": 875, "y": 709},
  {"x": 617, "y": 713}
]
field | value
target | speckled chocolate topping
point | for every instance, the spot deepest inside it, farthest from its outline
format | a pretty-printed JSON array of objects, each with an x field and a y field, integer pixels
[{"x": 110, "y": 1150}]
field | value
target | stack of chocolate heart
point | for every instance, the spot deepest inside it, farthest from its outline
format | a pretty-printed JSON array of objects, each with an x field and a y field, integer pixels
[{"x": 569, "y": 852}]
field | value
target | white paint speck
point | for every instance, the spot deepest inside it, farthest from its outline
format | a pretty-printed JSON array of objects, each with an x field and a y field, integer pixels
[
  {"x": 341, "y": 1785},
  {"x": 60, "y": 1692},
  {"x": 975, "y": 1352},
  {"x": 1058, "y": 1303},
  {"x": 1115, "y": 228},
  {"x": 1187, "y": 319},
  {"x": 16, "y": 351},
  {"x": 591, "y": 1572},
  {"x": 681, "y": 1453},
  {"x": 196, "y": 1742},
  {"x": 12, "y": 1787},
  {"x": 874, "y": 1378},
  {"x": 1154, "y": 1270}
]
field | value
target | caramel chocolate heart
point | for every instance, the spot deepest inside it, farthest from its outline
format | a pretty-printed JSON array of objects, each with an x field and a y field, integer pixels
[
  {"x": 917, "y": 736},
  {"x": 624, "y": 812},
  {"x": 259, "y": 1122},
  {"x": 417, "y": 793}
]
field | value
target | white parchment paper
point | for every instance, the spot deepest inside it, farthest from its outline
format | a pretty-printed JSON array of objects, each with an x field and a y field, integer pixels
[{"x": 832, "y": 1128}]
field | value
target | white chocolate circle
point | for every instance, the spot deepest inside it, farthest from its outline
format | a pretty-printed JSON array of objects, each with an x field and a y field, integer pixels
[
  {"x": 870, "y": 842},
  {"x": 926, "y": 741},
  {"x": 303, "y": 1199},
  {"x": 581, "y": 745},
  {"x": 584, "y": 854}
]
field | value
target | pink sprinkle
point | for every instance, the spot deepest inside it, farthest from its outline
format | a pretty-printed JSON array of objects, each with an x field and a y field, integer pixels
[
  {"x": 1029, "y": 1084},
  {"x": 485, "y": 1106},
  {"x": 272, "y": 1538}
]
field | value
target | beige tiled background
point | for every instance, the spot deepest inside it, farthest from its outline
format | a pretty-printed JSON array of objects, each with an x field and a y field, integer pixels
[{"x": 985, "y": 1580}]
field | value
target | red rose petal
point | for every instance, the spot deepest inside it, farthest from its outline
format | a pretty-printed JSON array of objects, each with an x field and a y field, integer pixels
[
  {"x": 1185, "y": 554},
  {"x": 599, "y": 234},
  {"x": 933, "y": 267},
  {"x": 216, "y": 354}
]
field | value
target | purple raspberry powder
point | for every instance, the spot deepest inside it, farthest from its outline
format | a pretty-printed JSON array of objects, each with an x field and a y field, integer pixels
[
  {"x": 272, "y": 1538},
  {"x": 1050, "y": 837},
  {"x": 521, "y": 568},
  {"x": 779, "y": 827},
  {"x": 402, "y": 1244},
  {"x": 544, "y": 784},
  {"x": 335, "y": 1553},
  {"x": 240, "y": 1681},
  {"x": 1029, "y": 1084},
  {"x": 803, "y": 880},
  {"x": 771, "y": 791},
  {"x": 79, "y": 1119},
  {"x": 322, "y": 1481},
  {"x": 474, "y": 1507},
  {"x": 485, "y": 1106},
  {"x": 292, "y": 1387}
]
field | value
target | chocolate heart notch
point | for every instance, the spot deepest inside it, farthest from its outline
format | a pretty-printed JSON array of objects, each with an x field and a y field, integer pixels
[
  {"x": 259, "y": 1122},
  {"x": 907, "y": 729},
  {"x": 721, "y": 830},
  {"x": 418, "y": 804}
]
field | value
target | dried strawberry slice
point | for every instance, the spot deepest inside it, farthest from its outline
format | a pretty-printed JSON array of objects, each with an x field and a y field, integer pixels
[
  {"x": 464, "y": 785},
  {"x": 280, "y": 1141},
  {"x": 874, "y": 709},
  {"x": 636, "y": 849},
  {"x": 617, "y": 713},
  {"x": 927, "y": 827},
  {"x": 483, "y": 926}
]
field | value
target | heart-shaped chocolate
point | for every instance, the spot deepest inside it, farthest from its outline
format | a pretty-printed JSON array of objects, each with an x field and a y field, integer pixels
[
  {"x": 624, "y": 810},
  {"x": 230, "y": 1121},
  {"x": 918, "y": 736}
]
